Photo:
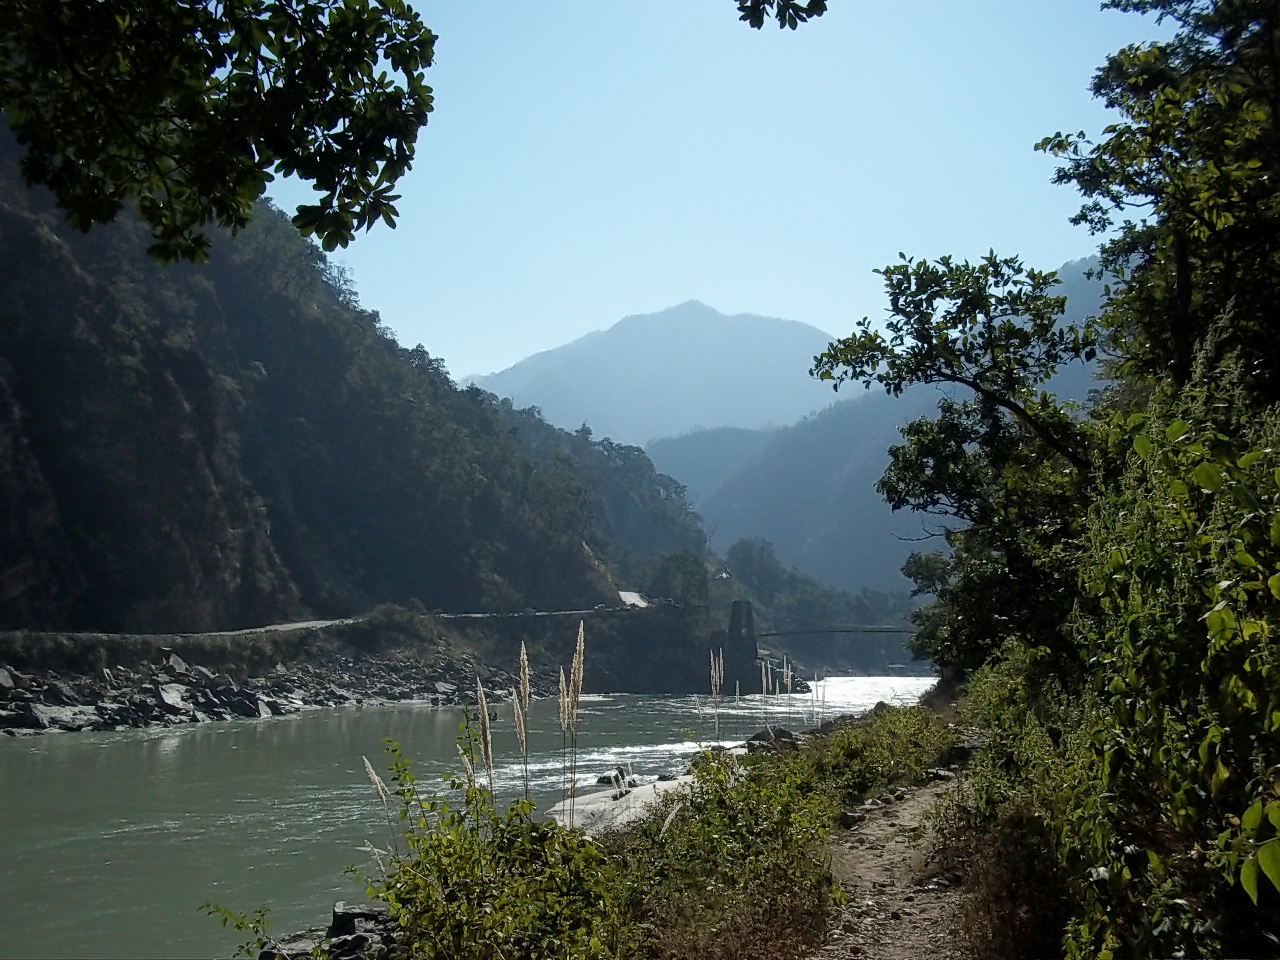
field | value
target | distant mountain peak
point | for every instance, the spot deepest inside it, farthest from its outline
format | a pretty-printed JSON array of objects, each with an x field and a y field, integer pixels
[{"x": 663, "y": 373}]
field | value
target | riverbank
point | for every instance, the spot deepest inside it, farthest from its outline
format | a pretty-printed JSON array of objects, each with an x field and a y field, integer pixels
[{"x": 172, "y": 691}]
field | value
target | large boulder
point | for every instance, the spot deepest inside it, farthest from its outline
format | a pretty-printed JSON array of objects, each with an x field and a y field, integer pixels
[{"x": 172, "y": 698}]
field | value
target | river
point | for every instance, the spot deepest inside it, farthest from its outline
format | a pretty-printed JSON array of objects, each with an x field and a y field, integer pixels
[{"x": 110, "y": 841}]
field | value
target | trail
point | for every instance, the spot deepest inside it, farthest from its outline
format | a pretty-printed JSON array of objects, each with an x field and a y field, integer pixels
[{"x": 899, "y": 905}]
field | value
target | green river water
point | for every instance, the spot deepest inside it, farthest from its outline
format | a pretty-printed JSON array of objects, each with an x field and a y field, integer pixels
[{"x": 109, "y": 842}]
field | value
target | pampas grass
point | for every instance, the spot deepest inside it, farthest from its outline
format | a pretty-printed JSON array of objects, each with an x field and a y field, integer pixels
[
  {"x": 486, "y": 738},
  {"x": 520, "y": 707},
  {"x": 384, "y": 797},
  {"x": 569, "y": 711}
]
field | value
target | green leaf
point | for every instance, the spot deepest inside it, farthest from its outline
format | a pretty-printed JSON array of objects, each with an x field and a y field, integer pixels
[
  {"x": 1252, "y": 818},
  {"x": 1274, "y": 583},
  {"x": 1249, "y": 879},
  {"x": 1177, "y": 430},
  {"x": 1142, "y": 444},
  {"x": 1269, "y": 860},
  {"x": 1207, "y": 477}
]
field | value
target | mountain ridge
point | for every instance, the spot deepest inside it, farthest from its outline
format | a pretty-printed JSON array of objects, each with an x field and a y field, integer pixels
[{"x": 681, "y": 367}]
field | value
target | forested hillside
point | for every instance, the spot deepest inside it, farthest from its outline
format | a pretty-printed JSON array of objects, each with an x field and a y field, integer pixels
[{"x": 215, "y": 446}]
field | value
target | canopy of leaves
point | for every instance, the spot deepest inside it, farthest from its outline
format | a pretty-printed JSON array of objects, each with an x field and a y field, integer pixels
[{"x": 188, "y": 108}]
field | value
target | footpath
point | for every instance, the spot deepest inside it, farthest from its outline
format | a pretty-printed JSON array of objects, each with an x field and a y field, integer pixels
[{"x": 900, "y": 904}]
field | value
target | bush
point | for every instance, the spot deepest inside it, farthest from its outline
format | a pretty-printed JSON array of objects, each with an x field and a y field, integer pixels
[
  {"x": 477, "y": 883},
  {"x": 731, "y": 868}
]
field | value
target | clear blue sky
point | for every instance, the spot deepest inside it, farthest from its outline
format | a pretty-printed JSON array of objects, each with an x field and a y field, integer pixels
[{"x": 590, "y": 159}]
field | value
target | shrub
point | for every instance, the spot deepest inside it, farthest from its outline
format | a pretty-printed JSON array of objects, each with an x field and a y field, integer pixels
[
  {"x": 477, "y": 882},
  {"x": 731, "y": 868}
]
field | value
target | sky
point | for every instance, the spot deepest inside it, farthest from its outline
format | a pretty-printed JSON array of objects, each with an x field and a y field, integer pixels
[{"x": 592, "y": 159}]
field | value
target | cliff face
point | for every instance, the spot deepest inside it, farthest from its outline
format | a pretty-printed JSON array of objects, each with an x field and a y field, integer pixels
[
  {"x": 123, "y": 508},
  {"x": 187, "y": 448}
]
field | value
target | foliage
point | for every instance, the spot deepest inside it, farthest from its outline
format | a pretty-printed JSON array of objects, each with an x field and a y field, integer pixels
[
  {"x": 730, "y": 868},
  {"x": 188, "y": 109},
  {"x": 1185, "y": 183},
  {"x": 992, "y": 327},
  {"x": 636, "y": 513},
  {"x": 788, "y": 13},
  {"x": 1182, "y": 562},
  {"x": 477, "y": 882},
  {"x": 893, "y": 745},
  {"x": 245, "y": 445}
]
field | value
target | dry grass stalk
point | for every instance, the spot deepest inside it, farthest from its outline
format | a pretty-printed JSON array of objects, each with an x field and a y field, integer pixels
[
  {"x": 717, "y": 685},
  {"x": 522, "y": 738},
  {"x": 466, "y": 766},
  {"x": 575, "y": 694},
  {"x": 564, "y": 734},
  {"x": 486, "y": 739},
  {"x": 575, "y": 679},
  {"x": 564, "y": 703},
  {"x": 670, "y": 817},
  {"x": 384, "y": 797},
  {"x": 524, "y": 678}
]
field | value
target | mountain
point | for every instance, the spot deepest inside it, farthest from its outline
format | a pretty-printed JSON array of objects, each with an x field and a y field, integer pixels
[
  {"x": 663, "y": 374},
  {"x": 809, "y": 488},
  {"x": 704, "y": 459},
  {"x": 188, "y": 448},
  {"x": 811, "y": 493}
]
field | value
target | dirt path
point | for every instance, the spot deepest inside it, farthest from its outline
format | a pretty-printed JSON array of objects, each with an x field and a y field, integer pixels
[{"x": 900, "y": 906}]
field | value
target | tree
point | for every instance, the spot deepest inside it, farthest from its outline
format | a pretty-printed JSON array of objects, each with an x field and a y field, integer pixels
[
  {"x": 788, "y": 13},
  {"x": 189, "y": 108},
  {"x": 1185, "y": 184},
  {"x": 992, "y": 327}
]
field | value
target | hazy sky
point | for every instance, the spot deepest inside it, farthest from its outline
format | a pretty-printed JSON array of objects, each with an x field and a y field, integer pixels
[{"x": 590, "y": 159}]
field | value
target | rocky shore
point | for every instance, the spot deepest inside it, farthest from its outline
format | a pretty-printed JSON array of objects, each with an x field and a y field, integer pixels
[{"x": 172, "y": 692}]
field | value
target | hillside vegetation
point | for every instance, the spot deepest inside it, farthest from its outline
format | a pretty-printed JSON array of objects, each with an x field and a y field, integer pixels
[{"x": 236, "y": 443}]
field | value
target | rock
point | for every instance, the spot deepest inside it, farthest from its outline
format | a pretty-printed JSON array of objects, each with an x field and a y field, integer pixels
[
  {"x": 60, "y": 692},
  {"x": 13, "y": 720},
  {"x": 346, "y": 914},
  {"x": 939, "y": 773},
  {"x": 172, "y": 699},
  {"x": 297, "y": 947},
  {"x": 177, "y": 664},
  {"x": 6, "y": 683},
  {"x": 956, "y": 755},
  {"x": 202, "y": 675},
  {"x": 851, "y": 818},
  {"x": 442, "y": 687},
  {"x": 223, "y": 682},
  {"x": 772, "y": 733},
  {"x": 26, "y": 716},
  {"x": 353, "y": 946},
  {"x": 247, "y": 705}
]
